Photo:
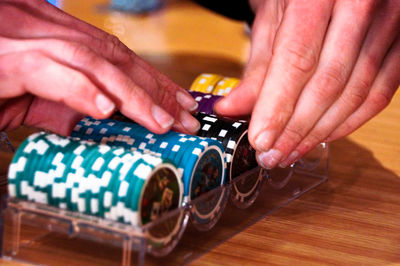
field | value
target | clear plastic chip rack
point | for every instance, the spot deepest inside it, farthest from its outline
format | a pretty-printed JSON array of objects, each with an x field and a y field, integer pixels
[{"x": 32, "y": 231}]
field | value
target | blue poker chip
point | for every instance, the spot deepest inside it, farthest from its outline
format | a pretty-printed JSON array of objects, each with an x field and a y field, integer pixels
[{"x": 200, "y": 160}]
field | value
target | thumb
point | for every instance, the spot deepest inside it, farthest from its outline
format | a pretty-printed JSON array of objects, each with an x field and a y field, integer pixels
[
  {"x": 61, "y": 119},
  {"x": 242, "y": 99}
]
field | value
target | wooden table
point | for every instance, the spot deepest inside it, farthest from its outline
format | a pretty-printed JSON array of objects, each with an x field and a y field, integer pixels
[{"x": 353, "y": 218}]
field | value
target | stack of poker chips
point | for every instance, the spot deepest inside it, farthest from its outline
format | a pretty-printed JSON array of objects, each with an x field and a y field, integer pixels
[
  {"x": 240, "y": 156},
  {"x": 94, "y": 179},
  {"x": 200, "y": 160},
  {"x": 214, "y": 84},
  {"x": 207, "y": 89}
]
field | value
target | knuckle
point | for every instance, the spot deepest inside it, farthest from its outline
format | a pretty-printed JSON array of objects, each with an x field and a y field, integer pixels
[
  {"x": 300, "y": 58},
  {"x": 355, "y": 98},
  {"x": 334, "y": 74},
  {"x": 358, "y": 92},
  {"x": 115, "y": 49},
  {"x": 295, "y": 135},
  {"x": 372, "y": 63},
  {"x": 278, "y": 118},
  {"x": 330, "y": 82},
  {"x": 113, "y": 40},
  {"x": 81, "y": 53},
  {"x": 323, "y": 94},
  {"x": 379, "y": 100},
  {"x": 312, "y": 139}
]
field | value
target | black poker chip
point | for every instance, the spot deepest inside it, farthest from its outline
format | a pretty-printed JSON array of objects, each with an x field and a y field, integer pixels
[{"x": 239, "y": 155}]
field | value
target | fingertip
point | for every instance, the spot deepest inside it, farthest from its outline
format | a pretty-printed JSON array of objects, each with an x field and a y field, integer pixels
[
  {"x": 221, "y": 105},
  {"x": 264, "y": 140},
  {"x": 269, "y": 159},
  {"x": 237, "y": 103},
  {"x": 186, "y": 101},
  {"x": 105, "y": 105},
  {"x": 190, "y": 123},
  {"x": 163, "y": 119}
]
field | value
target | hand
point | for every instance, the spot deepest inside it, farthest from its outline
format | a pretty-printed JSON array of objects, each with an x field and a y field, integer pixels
[
  {"x": 318, "y": 70},
  {"x": 54, "y": 68}
]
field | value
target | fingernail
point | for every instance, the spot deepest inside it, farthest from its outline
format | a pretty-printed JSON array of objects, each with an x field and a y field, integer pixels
[
  {"x": 264, "y": 140},
  {"x": 290, "y": 159},
  {"x": 270, "y": 159},
  {"x": 164, "y": 119},
  {"x": 186, "y": 101},
  {"x": 189, "y": 122},
  {"x": 105, "y": 105}
]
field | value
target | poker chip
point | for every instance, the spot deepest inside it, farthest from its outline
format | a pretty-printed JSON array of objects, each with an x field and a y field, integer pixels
[
  {"x": 99, "y": 180},
  {"x": 225, "y": 86},
  {"x": 205, "y": 83},
  {"x": 200, "y": 160},
  {"x": 240, "y": 156},
  {"x": 205, "y": 101},
  {"x": 214, "y": 84}
]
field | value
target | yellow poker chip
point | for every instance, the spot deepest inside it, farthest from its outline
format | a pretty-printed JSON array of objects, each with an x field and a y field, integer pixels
[
  {"x": 205, "y": 82},
  {"x": 225, "y": 86}
]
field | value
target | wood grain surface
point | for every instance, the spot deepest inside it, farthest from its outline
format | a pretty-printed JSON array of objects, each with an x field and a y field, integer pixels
[{"x": 354, "y": 218}]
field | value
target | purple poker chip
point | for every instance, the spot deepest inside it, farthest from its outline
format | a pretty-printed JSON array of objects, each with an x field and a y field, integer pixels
[{"x": 206, "y": 101}]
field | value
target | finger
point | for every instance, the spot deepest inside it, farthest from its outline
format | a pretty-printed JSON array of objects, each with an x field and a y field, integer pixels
[
  {"x": 295, "y": 55},
  {"x": 380, "y": 37},
  {"x": 61, "y": 120},
  {"x": 46, "y": 21},
  {"x": 158, "y": 86},
  {"x": 383, "y": 89},
  {"x": 266, "y": 24},
  {"x": 33, "y": 72},
  {"x": 338, "y": 56},
  {"x": 130, "y": 99},
  {"x": 116, "y": 52}
]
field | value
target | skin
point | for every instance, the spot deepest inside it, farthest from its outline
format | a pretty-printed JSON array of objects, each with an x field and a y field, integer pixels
[
  {"x": 318, "y": 70},
  {"x": 55, "y": 68}
]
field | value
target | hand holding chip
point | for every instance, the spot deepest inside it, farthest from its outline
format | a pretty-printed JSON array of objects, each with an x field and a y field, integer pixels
[
  {"x": 318, "y": 70},
  {"x": 54, "y": 68}
]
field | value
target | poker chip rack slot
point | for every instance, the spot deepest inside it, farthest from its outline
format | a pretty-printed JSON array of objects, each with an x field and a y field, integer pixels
[{"x": 26, "y": 223}]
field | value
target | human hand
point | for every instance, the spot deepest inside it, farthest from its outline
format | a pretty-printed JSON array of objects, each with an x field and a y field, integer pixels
[
  {"x": 54, "y": 68},
  {"x": 318, "y": 70}
]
